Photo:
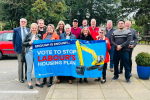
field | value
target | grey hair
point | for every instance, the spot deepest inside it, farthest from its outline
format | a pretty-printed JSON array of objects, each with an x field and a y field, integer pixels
[
  {"x": 24, "y": 19},
  {"x": 109, "y": 21},
  {"x": 102, "y": 29},
  {"x": 93, "y": 19},
  {"x": 67, "y": 26},
  {"x": 128, "y": 21}
]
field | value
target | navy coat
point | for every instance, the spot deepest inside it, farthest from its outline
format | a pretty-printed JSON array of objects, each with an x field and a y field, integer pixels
[{"x": 17, "y": 39}]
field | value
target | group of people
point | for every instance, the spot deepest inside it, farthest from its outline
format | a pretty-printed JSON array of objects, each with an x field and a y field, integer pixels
[{"x": 120, "y": 44}]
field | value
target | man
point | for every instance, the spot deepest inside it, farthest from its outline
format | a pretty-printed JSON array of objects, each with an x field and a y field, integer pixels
[
  {"x": 84, "y": 24},
  {"x": 109, "y": 31},
  {"x": 42, "y": 28},
  {"x": 93, "y": 29},
  {"x": 133, "y": 43},
  {"x": 120, "y": 39},
  {"x": 18, "y": 36},
  {"x": 75, "y": 29}
]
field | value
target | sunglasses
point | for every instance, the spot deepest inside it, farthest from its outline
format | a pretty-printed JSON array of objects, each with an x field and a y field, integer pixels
[{"x": 101, "y": 32}]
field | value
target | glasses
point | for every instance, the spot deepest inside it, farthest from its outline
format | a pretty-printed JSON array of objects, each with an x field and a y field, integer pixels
[
  {"x": 101, "y": 32},
  {"x": 23, "y": 21}
]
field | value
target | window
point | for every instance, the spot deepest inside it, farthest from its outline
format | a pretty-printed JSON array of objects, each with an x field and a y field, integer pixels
[
  {"x": 1, "y": 35},
  {"x": 7, "y": 37}
]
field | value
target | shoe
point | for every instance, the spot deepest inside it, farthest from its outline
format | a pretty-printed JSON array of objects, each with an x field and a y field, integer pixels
[
  {"x": 70, "y": 81},
  {"x": 26, "y": 77},
  {"x": 85, "y": 80},
  {"x": 114, "y": 78},
  {"x": 111, "y": 69},
  {"x": 120, "y": 72},
  {"x": 44, "y": 81},
  {"x": 30, "y": 86},
  {"x": 98, "y": 79},
  {"x": 49, "y": 84},
  {"x": 102, "y": 82},
  {"x": 80, "y": 80},
  {"x": 128, "y": 81},
  {"x": 21, "y": 81},
  {"x": 39, "y": 85},
  {"x": 58, "y": 81}
]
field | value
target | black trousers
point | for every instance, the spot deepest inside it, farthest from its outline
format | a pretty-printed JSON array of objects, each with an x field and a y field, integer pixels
[
  {"x": 130, "y": 62},
  {"x": 124, "y": 56},
  {"x": 68, "y": 77},
  {"x": 104, "y": 71}
]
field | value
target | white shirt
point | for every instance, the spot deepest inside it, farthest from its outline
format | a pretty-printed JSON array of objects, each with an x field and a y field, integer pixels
[
  {"x": 26, "y": 32},
  {"x": 33, "y": 38}
]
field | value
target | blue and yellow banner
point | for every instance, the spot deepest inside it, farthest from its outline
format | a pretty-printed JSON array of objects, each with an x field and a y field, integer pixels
[{"x": 77, "y": 58}]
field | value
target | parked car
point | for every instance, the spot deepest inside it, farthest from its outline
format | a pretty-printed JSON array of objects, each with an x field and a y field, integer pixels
[{"x": 6, "y": 44}]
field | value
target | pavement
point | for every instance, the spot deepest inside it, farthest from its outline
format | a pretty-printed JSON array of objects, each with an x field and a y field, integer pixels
[
  {"x": 12, "y": 89},
  {"x": 112, "y": 90}
]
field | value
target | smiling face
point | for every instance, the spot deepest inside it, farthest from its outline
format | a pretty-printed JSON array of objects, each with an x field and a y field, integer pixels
[
  {"x": 50, "y": 29},
  {"x": 85, "y": 31},
  {"x": 93, "y": 23},
  {"x": 61, "y": 25},
  {"x": 127, "y": 24},
  {"x": 75, "y": 24},
  {"x": 34, "y": 29},
  {"x": 23, "y": 23},
  {"x": 41, "y": 23}
]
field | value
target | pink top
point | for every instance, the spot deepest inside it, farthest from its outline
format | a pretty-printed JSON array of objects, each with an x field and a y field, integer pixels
[{"x": 76, "y": 32}]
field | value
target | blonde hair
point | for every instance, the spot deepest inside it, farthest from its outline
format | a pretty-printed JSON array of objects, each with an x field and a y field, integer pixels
[
  {"x": 59, "y": 23},
  {"x": 52, "y": 27},
  {"x": 89, "y": 33},
  {"x": 40, "y": 20},
  {"x": 32, "y": 25}
]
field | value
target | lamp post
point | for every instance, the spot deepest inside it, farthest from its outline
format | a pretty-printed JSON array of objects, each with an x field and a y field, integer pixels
[{"x": 87, "y": 15}]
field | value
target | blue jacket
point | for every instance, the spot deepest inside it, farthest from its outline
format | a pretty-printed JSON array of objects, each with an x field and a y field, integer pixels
[
  {"x": 63, "y": 36},
  {"x": 17, "y": 39}
]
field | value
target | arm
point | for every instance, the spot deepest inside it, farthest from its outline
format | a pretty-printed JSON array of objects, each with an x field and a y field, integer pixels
[
  {"x": 108, "y": 45},
  {"x": 135, "y": 38},
  {"x": 127, "y": 42},
  {"x": 14, "y": 37},
  {"x": 25, "y": 42},
  {"x": 113, "y": 41}
]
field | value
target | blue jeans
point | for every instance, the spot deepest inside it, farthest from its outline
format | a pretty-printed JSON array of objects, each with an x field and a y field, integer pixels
[
  {"x": 124, "y": 56},
  {"x": 111, "y": 54},
  {"x": 29, "y": 61}
]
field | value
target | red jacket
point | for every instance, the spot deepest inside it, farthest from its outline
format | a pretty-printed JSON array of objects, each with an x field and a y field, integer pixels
[
  {"x": 94, "y": 33},
  {"x": 108, "y": 48}
]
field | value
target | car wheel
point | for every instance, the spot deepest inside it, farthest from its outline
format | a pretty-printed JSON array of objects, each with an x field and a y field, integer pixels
[{"x": 1, "y": 55}]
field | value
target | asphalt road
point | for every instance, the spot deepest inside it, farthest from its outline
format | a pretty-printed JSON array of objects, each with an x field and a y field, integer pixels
[{"x": 12, "y": 89}]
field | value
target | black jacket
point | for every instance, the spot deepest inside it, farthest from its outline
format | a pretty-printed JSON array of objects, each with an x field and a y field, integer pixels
[
  {"x": 41, "y": 33},
  {"x": 89, "y": 37},
  {"x": 109, "y": 34},
  {"x": 58, "y": 32}
]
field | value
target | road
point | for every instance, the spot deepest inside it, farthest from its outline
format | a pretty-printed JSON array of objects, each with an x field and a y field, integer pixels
[{"x": 12, "y": 89}]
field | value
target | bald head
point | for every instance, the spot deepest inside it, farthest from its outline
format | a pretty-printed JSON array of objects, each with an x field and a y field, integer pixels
[
  {"x": 93, "y": 23},
  {"x": 127, "y": 24}
]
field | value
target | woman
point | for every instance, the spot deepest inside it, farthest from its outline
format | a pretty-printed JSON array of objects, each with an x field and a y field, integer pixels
[
  {"x": 66, "y": 35},
  {"x": 29, "y": 53},
  {"x": 102, "y": 37},
  {"x": 50, "y": 35},
  {"x": 60, "y": 27},
  {"x": 85, "y": 35}
]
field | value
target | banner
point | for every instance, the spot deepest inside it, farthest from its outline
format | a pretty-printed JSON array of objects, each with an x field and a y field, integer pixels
[{"x": 77, "y": 58}]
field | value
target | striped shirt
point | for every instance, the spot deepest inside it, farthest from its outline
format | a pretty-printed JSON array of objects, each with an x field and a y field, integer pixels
[{"x": 122, "y": 38}]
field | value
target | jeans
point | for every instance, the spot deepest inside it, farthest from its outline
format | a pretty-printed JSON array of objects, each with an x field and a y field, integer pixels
[
  {"x": 29, "y": 61},
  {"x": 111, "y": 53},
  {"x": 124, "y": 56},
  {"x": 130, "y": 62}
]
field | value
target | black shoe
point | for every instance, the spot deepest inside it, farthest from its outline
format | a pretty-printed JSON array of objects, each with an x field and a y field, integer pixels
[
  {"x": 39, "y": 85},
  {"x": 80, "y": 80},
  {"x": 114, "y": 78},
  {"x": 98, "y": 79},
  {"x": 128, "y": 81},
  {"x": 26, "y": 77},
  {"x": 85, "y": 80},
  {"x": 120, "y": 72},
  {"x": 102, "y": 82},
  {"x": 21, "y": 81},
  {"x": 44, "y": 81},
  {"x": 30, "y": 86},
  {"x": 49, "y": 85}
]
